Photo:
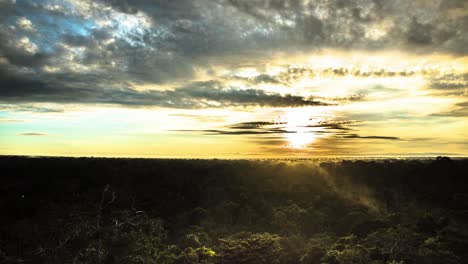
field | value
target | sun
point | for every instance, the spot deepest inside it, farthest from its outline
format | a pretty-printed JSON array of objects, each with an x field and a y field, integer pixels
[
  {"x": 300, "y": 140},
  {"x": 299, "y": 135}
]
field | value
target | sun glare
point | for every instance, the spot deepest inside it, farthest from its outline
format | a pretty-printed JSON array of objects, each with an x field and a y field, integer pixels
[
  {"x": 300, "y": 139},
  {"x": 299, "y": 135}
]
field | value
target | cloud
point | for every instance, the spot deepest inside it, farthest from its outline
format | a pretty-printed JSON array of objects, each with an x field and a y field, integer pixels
[
  {"x": 255, "y": 124},
  {"x": 6, "y": 7},
  {"x": 449, "y": 83},
  {"x": 261, "y": 78},
  {"x": 336, "y": 125},
  {"x": 62, "y": 51},
  {"x": 33, "y": 108},
  {"x": 122, "y": 5},
  {"x": 7, "y": 120},
  {"x": 274, "y": 131},
  {"x": 240, "y": 132},
  {"x": 25, "y": 24},
  {"x": 325, "y": 125},
  {"x": 32, "y": 134},
  {"x": 371, "y": 137},
  {"x": 214, "y": 91},
  {"x": 291, "y": 73},
  {"x": 419, "y": 33},
  {"x": 459, "y": 110},
  {"x": 195, "y": 95},
  {"x": 20, "y": 51}
]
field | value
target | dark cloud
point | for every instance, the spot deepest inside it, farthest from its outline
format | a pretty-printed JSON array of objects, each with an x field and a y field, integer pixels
[
  {"x": 271, "y": 142},
  {"x": 274, "y": 132},
  {"x": 17, "y": 88},
  {"x": 324, "y": 124},
  {"x": 255, "y": 125},
  {"x": 96, "y": 51},
  {"x": 248, "y": 128},
  {"x": 77, "y": 40},
  {"x": 261, "y": 78},
  {"x": 122, "y": 5},
  {"x": 215, "y": 92},
  {"x": 20, "y": 51},
  {"x": 332, "y": 124},
  {"x": 371, "y": 137},
  {"x": 195, "y": 95},
  {"x": 240, "y": 132},
  {"x": 463, "y": 104},
  {"x": 6, "y": 7},
  {"x": 274, "y": 127},
  {"x": 420, "y": 33},
  {"x": 292, "y": 74},
  {"x": 452, "y": 4},
  {"x": 33, "y": 134},
  {"x": 450, "y": 82},
  {"x": 351, "y": 98},
  {"x": 179, "y": 8},
  {"x": 459, "y": 110}
]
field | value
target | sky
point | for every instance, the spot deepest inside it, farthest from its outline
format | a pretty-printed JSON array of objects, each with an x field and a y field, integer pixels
[{"x": 234, "y": 78}]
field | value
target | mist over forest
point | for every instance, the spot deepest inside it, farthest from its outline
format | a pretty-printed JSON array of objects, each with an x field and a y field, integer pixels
[{"x": 102, "y": 210}]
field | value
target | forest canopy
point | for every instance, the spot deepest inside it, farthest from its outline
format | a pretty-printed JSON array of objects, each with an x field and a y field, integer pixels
[{"x": 96, "y": 210}]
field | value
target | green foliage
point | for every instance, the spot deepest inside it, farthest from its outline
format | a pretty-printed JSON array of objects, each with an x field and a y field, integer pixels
[
  {"x": 293, "y": 248},
  {"x": 354, "y": 255},
  {"x": 316, "y": 248},
  {"x": 201, "y": 255},
  {"x": 194, "y": 240},
  {"x": 395, "y": 243},
  {"x": 222, "y": 212},
  {"x": 346, "y": 250},
  {"x": 288, "y": 219},
  {"x": 188, "y": 256},
  {"x": 251, "y": 248},
  {"x": 139, "y": 241}
]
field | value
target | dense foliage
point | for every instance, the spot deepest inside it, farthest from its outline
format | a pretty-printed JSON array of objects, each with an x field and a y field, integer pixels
[{"x": 87, "y": 210}]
